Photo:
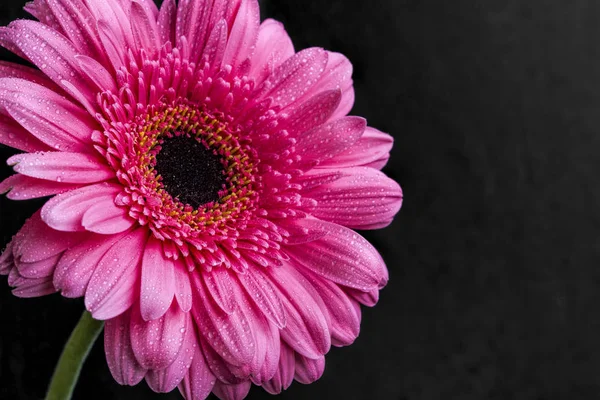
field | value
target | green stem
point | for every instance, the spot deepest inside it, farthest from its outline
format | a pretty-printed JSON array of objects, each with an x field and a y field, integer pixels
[{"x": 73, "y": 356}]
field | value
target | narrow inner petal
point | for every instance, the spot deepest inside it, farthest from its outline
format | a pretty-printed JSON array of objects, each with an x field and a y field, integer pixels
[{"x": 190, "y": 172}]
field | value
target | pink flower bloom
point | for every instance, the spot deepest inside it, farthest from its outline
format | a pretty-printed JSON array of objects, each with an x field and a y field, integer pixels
[{"x": 206, "y": 178}]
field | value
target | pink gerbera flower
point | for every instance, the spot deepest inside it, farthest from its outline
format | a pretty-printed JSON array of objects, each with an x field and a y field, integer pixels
[{"x": 206, "y": 181}]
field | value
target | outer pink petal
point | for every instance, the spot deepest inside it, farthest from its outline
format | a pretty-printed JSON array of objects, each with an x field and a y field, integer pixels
[
  {"x": 27, "y": 288},
  {"x": 21, "y": 187},
  {"x": 107, "y": 218},
  {"x": 261, "y": 291},
  {"x": 113, "y": 286},
  {"x": 14, "y": 135},
  {"x": 338, "y": 75},
  {"x": 295, "y": 77},
  {"x": 77, "y": 24},
  {"x": 114, "y": 28},
  {"x": 75, "y": 268},
  {"x": 232, "y": 392},
  {"x": 165, "y": 380},
  {"x": 156, "y": 343},
  {"x": 12, "y": 70},
  {"x": 7, "y": 259},
  {"x": 307, "y": 329},
  {"x": 371, "y": 150},
  {"x": 199, "y": 381},
  {"x": 307, "y": 370},
  {"x": 219, "y": 283},
  {"x": 273, "y": 47},
  {"x": 36, "y": 241},
  {"x": 192, "y": 23},
  {"x": 342, "y": 256},
  {"x": 244, "y": 33},
  {"x": 363, "y": 199},
  {"x": 328, "y": 140},
  {"x": 119, "y": 354},
  {"x": 345, "y": 323},
  {"x": 166, "y": 21},
  {"x": 368, "y": 299},
  {"x": 65, "y": 212},
  {"x": 62, "y": 167},
  {"x": 57, "y": 60},
  {"x": 145, "y": 30},
  {"x": 37, "y": 269},
  {"x": 312, "y": 113},
  {"x": 230, "y": 334},
  {"x": 284, "y": 376},
  {"x": 183, "y": 288},
  {"x": 48, "y": 116},
  {"x": 269, "y": 362},
  {"x": 158, "y": 281}
]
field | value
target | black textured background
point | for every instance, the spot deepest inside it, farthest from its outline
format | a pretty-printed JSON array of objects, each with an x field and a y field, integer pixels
[{"x": 494, "y": 290}]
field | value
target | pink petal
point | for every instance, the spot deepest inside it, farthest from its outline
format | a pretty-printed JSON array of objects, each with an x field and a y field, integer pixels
[
  {"x": 57, "y": 60},
  {"x": 269, "y": 362},
  {"x": 345, "y": 323},
  {"x": 342, "y": 256},
  {"x": 62, "y": 167},
  {"x": 296, "y": 76},
  {"x": 7, "y": 259},
  {"x": 312, "y": 113},
  {"x": 144, "y": 28},
  {"x": 12, "y": 70},
  {"x": 216, "y": 44},
  {"x": 114, "y": 26},
  {"x": 273, "y": 47},
  {"x": 307, "y": 329},
  {"x": 107, "y": 218},
  {"x": 371, "y": 150},
  {"x": 21, "y": 187},
  {"x": 64, "y": 126},
  {"x": 244, "y": 33},
  {"x": 183, "y": 288},
  {"x": 308, "y": 370},
  {"x": 325, "y": 141},
  {"x": 65, "y": 212},
  {"x": 165, "y": 380},
  {"x": 158, "y": 281},
  {"x": 338, "y": 75},
  {"x": 97, "y": 73},
  {"x": 219, "y": 284},
  {"x": 363, "y": 199},
  {"x": 284, "y": 376},
  {"x": 36, "y": 241},
  {"x": 166, "y": 21},
  {"x": 14, "y": 135},
  {"x": 192, "y": 23},
  {"x": 226, "y": 372},
  {"x": 262, "y": 293},
  {"x": 37, "y": 269},
  {"x": 231, "y": 392},
  {"x": 368, "y": 299},
  {"x": 113, "y": 286},
  {"x": 76, "y": 22},
  {"x": 75, "y": 268},
  {"x": 119, "y": 353},
  {"x": 230, "y": 334},
  {"x": 28, "y": 288},
  {"x": 156, "y": 343},
  {"x": 199, "y": 381}
]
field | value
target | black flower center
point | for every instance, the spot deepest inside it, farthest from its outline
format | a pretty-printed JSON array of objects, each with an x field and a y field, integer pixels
[{"x": 190, "y": 172}]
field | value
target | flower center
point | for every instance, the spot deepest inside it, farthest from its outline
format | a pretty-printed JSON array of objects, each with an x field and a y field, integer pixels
[{"x": 189, "y": 171}]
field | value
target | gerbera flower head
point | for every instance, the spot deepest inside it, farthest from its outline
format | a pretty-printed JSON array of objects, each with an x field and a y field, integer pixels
[{"x": 205, "y": 179}]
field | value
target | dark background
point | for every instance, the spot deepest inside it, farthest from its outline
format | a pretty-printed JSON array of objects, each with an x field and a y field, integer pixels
[{"x": 494, "y": 258}]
